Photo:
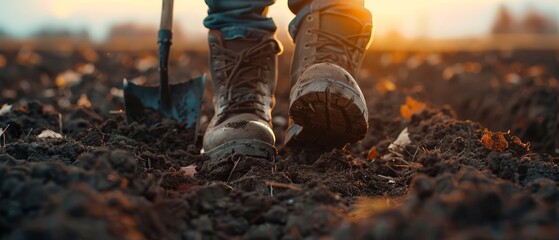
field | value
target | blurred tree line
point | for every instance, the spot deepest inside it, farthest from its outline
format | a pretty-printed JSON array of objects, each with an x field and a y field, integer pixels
[{"x": 531, "y": 22}]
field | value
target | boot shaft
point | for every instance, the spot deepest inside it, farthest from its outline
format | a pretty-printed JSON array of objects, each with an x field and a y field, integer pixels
[
  {"x": 243, "y": 74},
  {"x": 338, "y": 35}
]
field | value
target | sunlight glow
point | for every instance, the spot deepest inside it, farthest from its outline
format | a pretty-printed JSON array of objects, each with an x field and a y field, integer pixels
[{"x": 411, "y": 18}]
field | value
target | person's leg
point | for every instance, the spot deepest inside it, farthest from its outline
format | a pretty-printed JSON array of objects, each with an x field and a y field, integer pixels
[
  {"x": 327, "y": 108},
  {"x": 243, "y": 59},
  {"x": 239, "y": 18}
]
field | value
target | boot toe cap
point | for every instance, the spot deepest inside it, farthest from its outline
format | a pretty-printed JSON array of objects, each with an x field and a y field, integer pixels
[{"x": 238, "y": 128}]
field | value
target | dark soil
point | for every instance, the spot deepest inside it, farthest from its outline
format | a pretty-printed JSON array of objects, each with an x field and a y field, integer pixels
[{"x": 106, "y": 179}]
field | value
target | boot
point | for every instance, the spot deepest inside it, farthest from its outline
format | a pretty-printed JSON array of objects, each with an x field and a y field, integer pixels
[
  {"x": 327, "y": 109},
  {"x": 244, "y": 80}
]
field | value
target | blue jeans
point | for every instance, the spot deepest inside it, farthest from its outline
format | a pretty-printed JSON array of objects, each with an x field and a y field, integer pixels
[{"x": 247, "y": 18}]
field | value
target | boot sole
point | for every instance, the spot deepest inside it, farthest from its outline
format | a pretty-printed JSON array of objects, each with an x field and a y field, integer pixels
[
  {"x": 326, "y": 114},
  {"x": 252, "y": 148}
]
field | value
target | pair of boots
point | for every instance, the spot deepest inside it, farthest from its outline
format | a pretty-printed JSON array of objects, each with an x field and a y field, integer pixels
[{"x": 326, "y": 107}]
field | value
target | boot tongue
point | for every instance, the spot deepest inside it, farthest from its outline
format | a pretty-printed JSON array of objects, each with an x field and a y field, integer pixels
[{"x": 240, "y": 44}]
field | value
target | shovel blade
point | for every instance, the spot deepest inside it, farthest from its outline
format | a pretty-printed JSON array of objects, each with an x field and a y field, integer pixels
[{"x": 186, "y": 101}]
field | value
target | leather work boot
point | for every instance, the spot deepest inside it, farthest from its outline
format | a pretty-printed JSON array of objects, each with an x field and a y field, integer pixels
[
  {"x": 327, "y": 109},
  {"x": 244, "y": 80}
]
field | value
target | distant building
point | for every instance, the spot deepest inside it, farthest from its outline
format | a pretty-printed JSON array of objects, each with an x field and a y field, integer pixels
[
  {"x": 532, "y": 22},
  {"x": 505, "y": 22},
  {"x": 538, "y": 23}
]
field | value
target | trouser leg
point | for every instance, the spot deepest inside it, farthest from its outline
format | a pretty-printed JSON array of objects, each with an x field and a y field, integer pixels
[{"x": 240, "y": 18}]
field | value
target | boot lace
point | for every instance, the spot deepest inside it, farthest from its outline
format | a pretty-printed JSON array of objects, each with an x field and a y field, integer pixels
[
  {"x": 337, "y": 49},
  {"x": 244, "y": 70}
]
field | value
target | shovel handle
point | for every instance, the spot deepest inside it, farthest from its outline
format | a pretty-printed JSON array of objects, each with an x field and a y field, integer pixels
[
  {"x": 167, "y": 15},
  {"x": 164, "y": 40}
]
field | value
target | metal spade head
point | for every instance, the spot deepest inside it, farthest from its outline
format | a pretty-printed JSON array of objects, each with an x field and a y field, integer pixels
[
  {"x": 185, "y": 101},
  {"x": 182, "y": 101}
]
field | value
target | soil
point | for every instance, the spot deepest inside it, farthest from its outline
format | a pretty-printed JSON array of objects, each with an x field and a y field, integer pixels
[{"x": 109, "y": 179}]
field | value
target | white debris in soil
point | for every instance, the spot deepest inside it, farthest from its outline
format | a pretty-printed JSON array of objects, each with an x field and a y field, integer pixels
[
  {"x": 189, "y": 170},
  {"x": 47, "y": 133},
  {"x": 6, "y": 108},
  {"x": 2, "y": 131},
  {"x": 402, "y": 141},
  {"x": 396, "y": 148}
]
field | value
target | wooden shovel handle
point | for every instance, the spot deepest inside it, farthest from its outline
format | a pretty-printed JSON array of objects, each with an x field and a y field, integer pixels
[{"x": 167, "y": 15}]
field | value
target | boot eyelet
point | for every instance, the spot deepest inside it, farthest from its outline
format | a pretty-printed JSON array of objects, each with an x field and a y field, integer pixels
[
  {"x": 308, "y": 31},
  {"x": 310, "y": 18}
]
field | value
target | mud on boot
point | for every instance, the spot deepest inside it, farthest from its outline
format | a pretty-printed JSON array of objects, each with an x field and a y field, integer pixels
[
  {"x": 327, "y": 108},
  {"x": 244, "y": 79}
]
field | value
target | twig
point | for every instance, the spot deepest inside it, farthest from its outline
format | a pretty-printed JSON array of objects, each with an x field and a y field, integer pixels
[
  {"x": 234, "y": 167},
  {"x": 273, "y": 175},
  {"x": 386, "y": 177},
  {"x": 116, "y": 111},
  {"x": 402, "y": 160},
  {"x": 2, "y": 131},
  {"x": 283, "y": 185},
  {"x": 415, "y": 154},
  {"x": 27, "y": 136},
  {"x": 228, "y": 186},
  {"x": 287, "y": 177},
  {"x": 60, "y": 122},
  {"x": 405, "y": 166}
]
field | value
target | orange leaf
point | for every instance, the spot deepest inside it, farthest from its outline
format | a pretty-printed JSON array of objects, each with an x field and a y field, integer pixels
[
  {"x": 385, "y": 85},
  {"x": 411, "y": 107},
  {"x": 373, "y": 153},
  {"x": 494, "y": 141}
]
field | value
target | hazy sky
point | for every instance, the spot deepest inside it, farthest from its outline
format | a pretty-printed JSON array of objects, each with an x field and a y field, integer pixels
[{"x": 435, "y": 18}]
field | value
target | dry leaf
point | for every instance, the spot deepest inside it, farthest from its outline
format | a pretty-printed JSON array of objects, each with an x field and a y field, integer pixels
[
  {"x": 472, "y": 67},
  {"x": 84, "y": 101},
  {"x": 189, "y": 170},
  {"x": 519, "y": 142},
  {"x": 366, "y": 207},
  {"x": 26, "y": 56},
  {"x": 47, "y": 133},
  {"x": 146, "y": 62},
  {"x": 411, "y": 107},
  {"x": 494, "y": 141},
  {"x": 87, "y": 68},
  {"x": 6, "y": 108},
  {"x": 3, "y": 61},
  {"x": 184, "y": 187},
  {"x": 117, "y": 92},
  {"x": 89, "y": 54},
  {"x": 402, "y": 141},
  {"x": 373, "y": 153},
  {"x": 68, "y": 78},
  {"x": 385, "y": 85}
]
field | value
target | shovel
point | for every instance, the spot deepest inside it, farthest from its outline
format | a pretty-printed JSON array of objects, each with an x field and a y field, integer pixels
[{"x": 181, "y": 101}]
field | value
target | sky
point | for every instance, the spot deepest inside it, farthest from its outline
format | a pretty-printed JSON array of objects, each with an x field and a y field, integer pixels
[{"x": 412, "y": 18}]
